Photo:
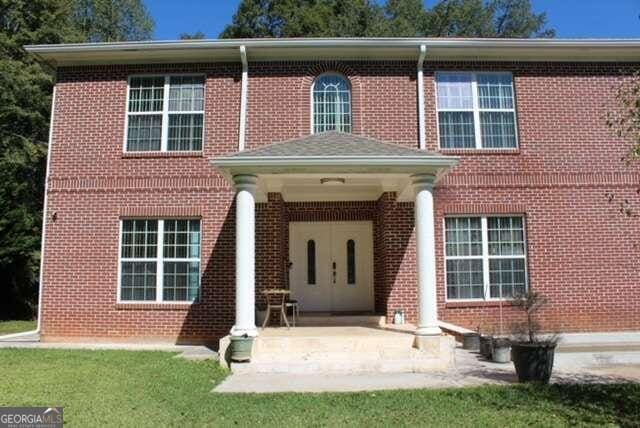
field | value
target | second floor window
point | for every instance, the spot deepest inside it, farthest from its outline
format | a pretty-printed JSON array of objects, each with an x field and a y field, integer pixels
[
  {"x": 476, "y": 111},
  {"x": 165, "y": 113},
  {"x": 331, "y": 104}
]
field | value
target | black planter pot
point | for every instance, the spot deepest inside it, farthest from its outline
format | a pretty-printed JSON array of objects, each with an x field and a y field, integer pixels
[
  {"x": 471, "y": 341},
  {"x": 485, "y": 346},
  {"x": 533, "y": 361}
]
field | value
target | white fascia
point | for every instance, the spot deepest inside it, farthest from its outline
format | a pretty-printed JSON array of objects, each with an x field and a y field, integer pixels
[{"x": 243, "y": 98}]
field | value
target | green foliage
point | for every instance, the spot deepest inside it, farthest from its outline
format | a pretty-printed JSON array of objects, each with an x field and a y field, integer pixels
[
  {"x": 154, "y": 389},
  {"x": 460, "y": 18},
  {"x": 112, "y": 20},
  {"x": 515, "y": 18},
  {"x": 25, "y": 102},
  {"x": 305, "y": 18},
  {"x": 623, "y": 118},
  {"x": 394, "y": 18},
  {"x": 193, "y": 36},
  {"x": 25, "y": 98}
]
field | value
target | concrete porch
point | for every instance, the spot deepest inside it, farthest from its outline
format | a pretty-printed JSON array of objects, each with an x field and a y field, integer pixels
[{"x": 344, "y": 344}]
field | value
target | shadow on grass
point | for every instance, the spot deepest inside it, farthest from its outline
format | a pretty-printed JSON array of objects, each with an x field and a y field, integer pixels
[{"x": 621, "y": 401}]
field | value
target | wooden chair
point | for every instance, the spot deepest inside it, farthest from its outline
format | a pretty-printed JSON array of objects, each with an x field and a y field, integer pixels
[{"x": 276, "y": 300}]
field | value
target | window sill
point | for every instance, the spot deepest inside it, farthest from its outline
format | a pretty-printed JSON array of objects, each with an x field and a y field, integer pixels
[
  {"x": 154, "y": 306},
  {"x": 478, "y": 304},
  {"x": 146, "y": 155},
  {"x": 480, "y": 152}
]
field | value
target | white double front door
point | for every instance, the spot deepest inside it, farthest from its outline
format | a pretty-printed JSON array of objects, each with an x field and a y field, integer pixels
[{"x": 331, "y": 266}]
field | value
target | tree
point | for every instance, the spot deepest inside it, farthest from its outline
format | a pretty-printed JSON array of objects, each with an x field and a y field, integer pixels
[
  {"x": 306, "y": 18},
  {"x": 198, "y": 35},
  {"x": 477, "y": 18},
  {"x": 25, "y": 102},
  {"x": 25, "y": 98},
  {"x": 460, "y": 18},
  {"x": 406, "y": 18},
  {"x": 112, "y": 20},
  {"x": 623, "y": 118},
  {"x": 515, "y": 18}
]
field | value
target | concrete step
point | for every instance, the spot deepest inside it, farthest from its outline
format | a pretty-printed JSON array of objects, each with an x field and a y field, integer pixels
[
  {"x": 345, "y": 363},
  {"x": 292, "y": 347},
  {"x": 343, "y": 349},
  {"x": 340, "y": 320}
]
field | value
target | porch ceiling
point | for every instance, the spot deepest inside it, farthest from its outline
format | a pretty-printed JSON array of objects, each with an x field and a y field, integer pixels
[{"x": 367, "y": 167}]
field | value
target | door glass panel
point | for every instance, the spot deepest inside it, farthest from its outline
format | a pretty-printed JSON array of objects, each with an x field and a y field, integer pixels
[
  {"x": 351, "y": 261},
  {"x": 311, "y": 261}
]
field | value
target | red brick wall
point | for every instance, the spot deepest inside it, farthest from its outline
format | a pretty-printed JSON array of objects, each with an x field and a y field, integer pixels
[{"x": 581, "y": 251}]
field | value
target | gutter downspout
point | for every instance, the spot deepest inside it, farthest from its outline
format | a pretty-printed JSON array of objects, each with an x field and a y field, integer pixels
[
  {"x": 421, "y": 120},
  {"x": 243, "y": 98},
  {"x": 44, "y": 227}
]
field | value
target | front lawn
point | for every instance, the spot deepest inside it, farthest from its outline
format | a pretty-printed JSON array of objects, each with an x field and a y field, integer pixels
[
  {"x": 120, "y": 388},
  {"x": 10, "y": 327}
]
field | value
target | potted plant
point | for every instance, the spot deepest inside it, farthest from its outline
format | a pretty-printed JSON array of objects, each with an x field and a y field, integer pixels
[
  {"x": 533, "y": 355},
  {"x": 471, "y": 341},
  {"x": 241, "y": 348},
  {"x": 500, "y": 350},
  {"x": 485, "y": 343},
  {"x": 501, "y": 346}
]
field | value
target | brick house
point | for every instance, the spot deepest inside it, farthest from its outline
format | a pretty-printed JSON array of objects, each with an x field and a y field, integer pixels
[{"x": 436, "y": 176}]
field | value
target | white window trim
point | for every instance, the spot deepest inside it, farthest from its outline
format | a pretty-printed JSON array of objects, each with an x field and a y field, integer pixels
[
  {"x": 165, "y": 113},
  {"x": 313, "y": 85},
  {"x": 476, "y": 110},
  {"x": 485, "y": 256},
  {"x": 159, "y": 259}
]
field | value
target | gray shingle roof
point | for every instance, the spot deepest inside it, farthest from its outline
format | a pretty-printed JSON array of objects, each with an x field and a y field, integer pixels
[{"x": 332, "y": 144}]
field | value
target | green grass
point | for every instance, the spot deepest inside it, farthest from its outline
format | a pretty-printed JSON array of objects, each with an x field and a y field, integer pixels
[
  {"x": 120, "y": 388},
  {"x": 9, "y": 327}
]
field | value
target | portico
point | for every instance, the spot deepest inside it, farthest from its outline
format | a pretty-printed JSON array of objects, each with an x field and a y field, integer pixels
[{"x": 337, "y": 168}]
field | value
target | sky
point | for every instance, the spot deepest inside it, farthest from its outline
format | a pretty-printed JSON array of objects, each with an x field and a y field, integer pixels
[{"x": 570, "y": 18}]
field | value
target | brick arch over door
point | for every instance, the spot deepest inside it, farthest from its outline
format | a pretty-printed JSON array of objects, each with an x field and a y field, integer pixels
[{"x": 315, "y": 70}]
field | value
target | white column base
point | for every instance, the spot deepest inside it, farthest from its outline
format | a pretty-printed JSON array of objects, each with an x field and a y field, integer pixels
[
  {"x": 239, "y": 331},
  {"x": 428, "y": 331}
]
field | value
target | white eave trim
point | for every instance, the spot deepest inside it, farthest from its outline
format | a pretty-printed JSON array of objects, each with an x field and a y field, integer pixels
[
  {"x": 338, "y": 42},
  {"x": 341, "y": 48},
  {"x": 263, "y": 161}
]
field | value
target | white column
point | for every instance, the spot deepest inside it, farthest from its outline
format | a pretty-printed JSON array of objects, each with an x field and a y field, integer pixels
[
  {"x": 426, "y": 255},
  {"x": 245, "y": 256}
]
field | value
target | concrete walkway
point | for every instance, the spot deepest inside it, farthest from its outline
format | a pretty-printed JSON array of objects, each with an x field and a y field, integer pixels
[
  {"x": 471, "y": 370},
  {"x": 190, "y": 352}
]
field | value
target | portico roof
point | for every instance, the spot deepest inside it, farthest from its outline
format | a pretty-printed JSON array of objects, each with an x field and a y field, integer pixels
[
  {"x": 366, "y": 166},
  {"x": 333, "y": 151},
  {"x": 333, "y": 144}
]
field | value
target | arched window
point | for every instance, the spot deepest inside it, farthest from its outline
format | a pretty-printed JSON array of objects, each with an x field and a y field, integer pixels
[{"x": 331, "y": 103}]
